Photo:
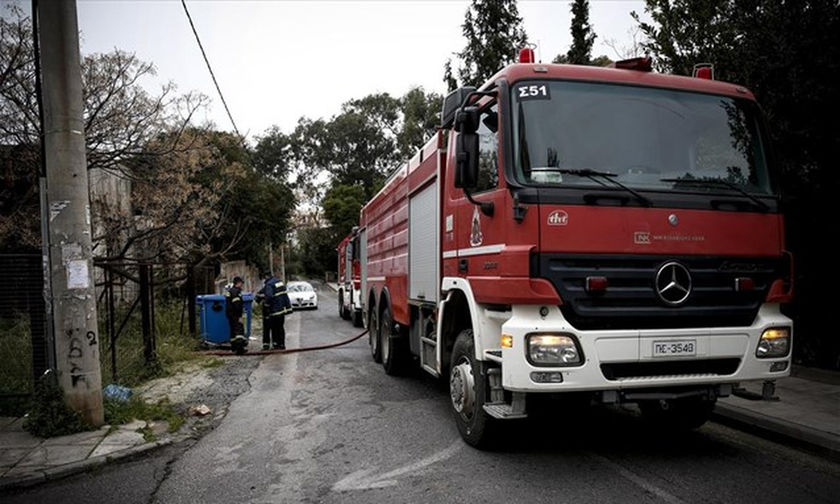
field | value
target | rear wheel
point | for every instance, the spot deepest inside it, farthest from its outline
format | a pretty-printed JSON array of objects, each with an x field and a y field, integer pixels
[
  {"x": 373, "y": 334},
  {"x": 357, "y": 318},
  {"x": 341, "y": 303},
  {"x": 678, "y": 414},
  {"x": 468, "y": 393},
  {"x": 393, "y": 346}
]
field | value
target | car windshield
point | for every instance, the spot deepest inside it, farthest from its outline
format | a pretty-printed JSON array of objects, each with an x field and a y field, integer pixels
[
  {"x": 644, "y": 138},
  {"x": 300, "y": 287}
]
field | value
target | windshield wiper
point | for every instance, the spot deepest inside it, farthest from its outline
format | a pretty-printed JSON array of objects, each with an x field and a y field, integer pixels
[
  {"x": 719, "y": 182},
  {"x": 592, "y": 174}
]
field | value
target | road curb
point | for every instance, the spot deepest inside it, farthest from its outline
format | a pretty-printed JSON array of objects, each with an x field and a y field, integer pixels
[
  {"x": 39, "y": 476},
  {"x": 818, "y": 441}
]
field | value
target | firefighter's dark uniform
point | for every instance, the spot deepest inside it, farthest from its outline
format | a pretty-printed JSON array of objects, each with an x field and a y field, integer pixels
[
  {"x": 278, "y": 305},
  {"x": 266, "y": 310},
  {"x": 234, "y": 310}
]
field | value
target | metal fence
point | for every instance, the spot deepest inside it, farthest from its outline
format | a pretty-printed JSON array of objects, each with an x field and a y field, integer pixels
[
  {"x": 24, "y": 343},
  {"x": 130, "y": 299}
]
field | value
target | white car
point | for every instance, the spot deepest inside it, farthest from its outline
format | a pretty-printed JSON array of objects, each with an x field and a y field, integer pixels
[{"x": 302, "y": 295}]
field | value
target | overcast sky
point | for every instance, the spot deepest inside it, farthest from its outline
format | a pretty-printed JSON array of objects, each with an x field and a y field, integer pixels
[{"x": 279, "y": 60}]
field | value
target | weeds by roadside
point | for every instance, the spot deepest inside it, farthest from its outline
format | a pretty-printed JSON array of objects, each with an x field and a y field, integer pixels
[
  {"x": 117, "y": 413},
  {"x": 48, "y": 414},
  {"x": 15, "y": 365},
  {"x": 174, "y": 348}
]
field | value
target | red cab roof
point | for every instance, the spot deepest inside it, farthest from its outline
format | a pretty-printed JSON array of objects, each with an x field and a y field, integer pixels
[{"x": 525, "y": 71}]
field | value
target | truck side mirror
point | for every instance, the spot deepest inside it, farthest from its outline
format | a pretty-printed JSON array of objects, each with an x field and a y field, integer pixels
[{"x": 466, "y": 150}]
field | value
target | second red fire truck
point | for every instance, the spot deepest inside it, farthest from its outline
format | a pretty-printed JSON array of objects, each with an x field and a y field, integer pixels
[
  {"x": 607, "y": 232},
  {"x": 349, "y": 283}
]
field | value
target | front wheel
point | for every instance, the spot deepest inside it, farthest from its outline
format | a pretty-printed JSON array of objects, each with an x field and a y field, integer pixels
[
  {"x": 468, "y": 393},
  {"x": 678, "y": 414}
]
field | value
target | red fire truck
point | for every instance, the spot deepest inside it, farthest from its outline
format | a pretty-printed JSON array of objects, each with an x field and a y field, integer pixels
[
  {"x": 607, "y": 232},
  {"x": 349, "y": 282}
]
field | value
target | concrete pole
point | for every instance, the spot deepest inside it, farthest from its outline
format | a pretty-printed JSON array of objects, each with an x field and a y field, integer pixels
[
  {"x": 283, "y": 262},
  {"x": 271, "y": 258},
  {"x": 73, "y": 294}
]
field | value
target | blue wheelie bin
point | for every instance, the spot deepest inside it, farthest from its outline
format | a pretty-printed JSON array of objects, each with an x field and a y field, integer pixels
[{"x": 213, "y": 324}]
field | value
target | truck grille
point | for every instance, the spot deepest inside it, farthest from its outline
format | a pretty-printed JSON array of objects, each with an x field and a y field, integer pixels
[
  {"x": 631, "y": 302},
  {"x": 707, "y": 367}
]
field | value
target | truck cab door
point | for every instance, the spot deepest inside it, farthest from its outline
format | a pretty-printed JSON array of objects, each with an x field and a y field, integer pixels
[{"x": 479, "y": 236}]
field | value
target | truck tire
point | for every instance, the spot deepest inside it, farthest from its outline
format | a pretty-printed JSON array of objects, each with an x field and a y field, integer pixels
[
  {"x": 468, "y": 393},
  {"x": 678, "y": 414},
  {"x": 341, "y": 303},
  {"x": 357, "y": 318},
  {"x": 345, "y": 313},
  {"x": 393, "y": 346},
  {"x": 373, "y": 334}
]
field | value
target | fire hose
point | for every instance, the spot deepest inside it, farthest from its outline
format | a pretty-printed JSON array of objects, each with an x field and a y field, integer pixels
[{"x": 287, "y": 350}]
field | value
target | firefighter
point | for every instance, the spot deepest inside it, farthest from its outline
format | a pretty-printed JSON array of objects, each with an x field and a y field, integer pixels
[
  {"x": 277, "y": 301},
  {"x": 266, "y": 309},
  {"x": 233, "y": 310}
]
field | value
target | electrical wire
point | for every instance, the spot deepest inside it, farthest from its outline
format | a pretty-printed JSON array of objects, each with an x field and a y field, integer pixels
[{"x": 210, "y": 69}]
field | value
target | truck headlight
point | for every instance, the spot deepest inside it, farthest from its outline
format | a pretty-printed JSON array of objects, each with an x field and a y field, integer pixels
[
  {"x": 774, "y": 342},
  {"x": 553, "y": 350}
]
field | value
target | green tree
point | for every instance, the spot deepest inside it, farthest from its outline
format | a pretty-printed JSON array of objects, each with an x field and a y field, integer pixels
[
  {"x": 583, "y": 37},
  {"x": 494, "y": 33},
  {"x": 420, "y": 118},
  {"x": 317, "y": 249},
  {"x": 580, "y": 53},
  {"x": 342, "y": 204},
  {"x": 254, "y": 210},
  {"x": 785, "y": 53},
  {"x": 358, "y": 146},
  {"x": 274, "y": 155},
  {"x": 353, "y": 149},
  {"x": 601, "y": 61}
]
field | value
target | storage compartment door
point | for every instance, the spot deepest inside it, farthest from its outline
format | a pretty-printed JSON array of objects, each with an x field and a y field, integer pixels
[
  {"x": 363, "y": 264},
  {"x": 423, "y": 244}
]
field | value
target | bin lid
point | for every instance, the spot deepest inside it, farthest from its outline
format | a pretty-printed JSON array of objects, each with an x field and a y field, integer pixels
[
  {"x": 246, "y": 296},
  {"x": 209, "y": 297}
]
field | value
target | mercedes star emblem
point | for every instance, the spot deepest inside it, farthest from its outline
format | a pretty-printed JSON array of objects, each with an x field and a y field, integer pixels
[
  {"x": 673, "y": 283},
  {"x": 673, "y": 219}
]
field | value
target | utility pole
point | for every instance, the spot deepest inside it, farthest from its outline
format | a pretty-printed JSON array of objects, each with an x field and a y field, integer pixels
[
  {"x": 73, "y": 292},
  {"x": 283, "y": 262},
  {"x": 271, "y": 257}
]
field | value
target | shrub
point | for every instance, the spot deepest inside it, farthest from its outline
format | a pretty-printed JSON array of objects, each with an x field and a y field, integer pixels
[{"x": 49, "y": 415}]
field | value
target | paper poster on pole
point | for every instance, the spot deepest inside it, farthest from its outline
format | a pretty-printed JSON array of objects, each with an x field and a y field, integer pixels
[{"x": 78, "y": 276}]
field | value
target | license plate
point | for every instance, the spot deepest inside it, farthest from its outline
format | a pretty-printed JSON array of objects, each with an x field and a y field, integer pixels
[{"x": 674, "y": 348}]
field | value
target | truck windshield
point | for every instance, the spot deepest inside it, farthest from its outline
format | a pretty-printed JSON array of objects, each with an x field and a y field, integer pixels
[{"x": 645, "y": 138}]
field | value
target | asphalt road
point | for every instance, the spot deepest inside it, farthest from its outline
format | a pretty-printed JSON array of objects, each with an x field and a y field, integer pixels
[{"x": 330, "y": 426}]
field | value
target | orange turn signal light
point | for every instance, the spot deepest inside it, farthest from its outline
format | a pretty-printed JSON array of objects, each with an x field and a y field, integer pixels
[{"x": 507, "y": 341}]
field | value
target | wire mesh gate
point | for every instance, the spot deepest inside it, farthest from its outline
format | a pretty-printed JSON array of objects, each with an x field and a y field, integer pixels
[{"x": 24, "y": 342}]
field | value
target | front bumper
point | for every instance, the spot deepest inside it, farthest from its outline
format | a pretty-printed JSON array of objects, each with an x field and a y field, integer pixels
[
  {"x": 723, "y": 354},
  {"x": 300, "y": 303}
]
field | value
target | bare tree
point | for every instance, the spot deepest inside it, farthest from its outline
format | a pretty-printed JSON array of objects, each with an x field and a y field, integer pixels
[
  {"x": 130, "y": 132},
  {"x": 632, "y": 48}
]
